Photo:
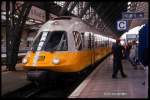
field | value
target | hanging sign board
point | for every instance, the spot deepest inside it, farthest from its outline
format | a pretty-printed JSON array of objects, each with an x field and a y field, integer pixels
[{"x": 132, "y": 15}]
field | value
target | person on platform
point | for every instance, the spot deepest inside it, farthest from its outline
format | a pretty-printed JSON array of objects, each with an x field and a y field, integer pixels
[
  {"x": 127, "y": 51},
  {"x": 134, "y": 54},
  {"x": 117, "y": 50}
]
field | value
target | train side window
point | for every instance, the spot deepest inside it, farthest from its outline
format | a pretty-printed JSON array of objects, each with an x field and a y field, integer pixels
[
  {"x": 86, "y": 40},
  {"x": 77, "y": 40},
  {"x": 100, "y": 42},
  {"x": 89, "y": 40},
  {"x": 83, "y": 40},
  {"x": 96, "y": 44}
]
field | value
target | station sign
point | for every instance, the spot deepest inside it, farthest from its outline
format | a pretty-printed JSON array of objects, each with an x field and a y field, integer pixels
[
  {"x": 132, "y": 15},
  {"x": 131, "y": 36},
  {"x": 122, "y": 25}
]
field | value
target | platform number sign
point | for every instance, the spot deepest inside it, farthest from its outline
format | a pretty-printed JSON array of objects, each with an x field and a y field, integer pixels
[{"x": 122, "y": 25}]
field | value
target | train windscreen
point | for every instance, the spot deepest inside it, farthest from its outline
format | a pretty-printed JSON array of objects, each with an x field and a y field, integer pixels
[{"x": 51, "y": 41}]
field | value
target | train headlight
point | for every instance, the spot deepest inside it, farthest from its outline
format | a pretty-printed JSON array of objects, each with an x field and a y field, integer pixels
[
  {"x": 56, "y": 61},
  {"x": 25, "y": 60}
]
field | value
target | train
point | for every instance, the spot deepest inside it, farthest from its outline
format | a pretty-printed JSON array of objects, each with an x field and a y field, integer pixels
[{"x": 65, "y": 45}]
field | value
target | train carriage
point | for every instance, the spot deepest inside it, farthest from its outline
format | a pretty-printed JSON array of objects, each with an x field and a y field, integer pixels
[{"x": 66, "y": 44}]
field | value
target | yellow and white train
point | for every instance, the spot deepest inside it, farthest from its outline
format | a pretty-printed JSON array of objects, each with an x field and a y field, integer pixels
[{"x": 65, "y": 44}]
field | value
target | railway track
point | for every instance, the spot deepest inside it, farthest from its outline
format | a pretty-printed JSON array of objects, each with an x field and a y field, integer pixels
[
  {"x": 26, "y": 92},
  {"x": 60, "y": 89}
]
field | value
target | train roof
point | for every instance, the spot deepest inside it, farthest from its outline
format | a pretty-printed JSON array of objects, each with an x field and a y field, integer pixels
[{"x": 69, "y": 23}]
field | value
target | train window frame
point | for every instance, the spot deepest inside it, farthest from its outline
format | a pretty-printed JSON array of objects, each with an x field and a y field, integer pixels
[
  {"x": 37, "y": 47},
  {"x": 66, "y": 41},
  {"x": 77, "y": 39},
  {"x": 36, "y": 42}
]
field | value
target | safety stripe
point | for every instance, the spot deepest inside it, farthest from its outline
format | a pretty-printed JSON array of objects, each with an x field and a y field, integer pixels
[{"x": 36, "y": 57}]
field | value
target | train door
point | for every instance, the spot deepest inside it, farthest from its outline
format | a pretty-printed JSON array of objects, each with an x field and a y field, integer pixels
[{"x": 92, "y": 48}]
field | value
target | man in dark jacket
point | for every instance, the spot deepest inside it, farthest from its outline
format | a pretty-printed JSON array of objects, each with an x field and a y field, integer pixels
[{"x": 117, "y": 58}]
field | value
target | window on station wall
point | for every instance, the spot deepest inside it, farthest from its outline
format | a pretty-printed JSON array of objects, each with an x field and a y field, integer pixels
[
  {"x": 3, "y": 39},
  {"x": 77, "y": 9},
  {"x": 60, "y": 3},
  {"x": 71, "y": 3},
  {"x": 91, "y": 17},
  {"x": 87, "y": 15}
]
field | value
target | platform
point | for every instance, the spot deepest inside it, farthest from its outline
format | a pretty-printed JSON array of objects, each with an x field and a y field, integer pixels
[
  {"x": 12, "y": 80},
  {"x": 19, "y": 54},
  {"x": 99, "y": 84}
]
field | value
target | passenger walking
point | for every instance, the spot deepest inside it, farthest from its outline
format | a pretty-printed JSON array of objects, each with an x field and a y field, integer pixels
[
  {"x": 127, "y": 51},
  {"x": 117, "y": 59},
  {"x": 146, "y": 65},
  {"x": 134, "y": 54}
]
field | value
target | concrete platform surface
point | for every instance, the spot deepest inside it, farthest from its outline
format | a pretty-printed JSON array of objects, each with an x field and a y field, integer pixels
[
  {"x": 99, "y": 84},
  {"x": 13, "y": 80}
]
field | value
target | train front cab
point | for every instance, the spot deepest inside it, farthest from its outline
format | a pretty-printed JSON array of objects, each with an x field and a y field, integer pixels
[{"x": 50, "y": 53}]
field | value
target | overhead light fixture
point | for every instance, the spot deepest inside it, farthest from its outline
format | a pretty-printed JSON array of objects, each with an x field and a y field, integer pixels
[
  {"x": 29, "y": 23},
  {"x": 31, "y": 20},
  {"x": 16, "y": 16},
  {"x": 38, "y": 21},
  {"x": 3, "y": 13},
  {"x": 129, "y": 3}
]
